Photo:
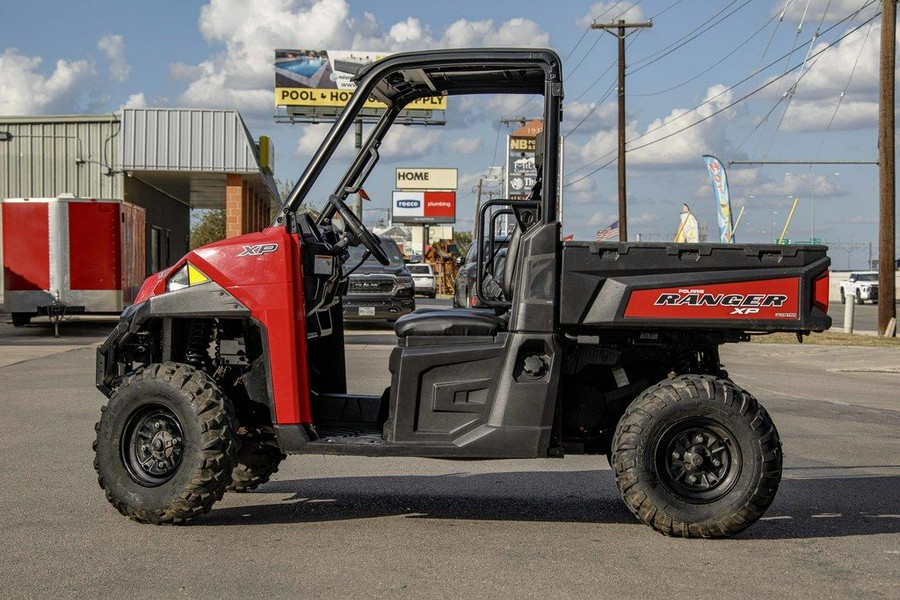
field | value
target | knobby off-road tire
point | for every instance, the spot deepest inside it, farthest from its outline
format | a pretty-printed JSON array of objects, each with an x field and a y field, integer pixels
[
  {"x": 729, "y": 441},
  {"x": 257, "y": 461},
  {"x": 166, "y": 444}
]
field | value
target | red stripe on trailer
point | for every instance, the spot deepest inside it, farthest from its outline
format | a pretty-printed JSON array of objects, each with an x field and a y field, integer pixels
[
  {"x": 26, "y": 249},
  {"x": 95, "y": 246}
]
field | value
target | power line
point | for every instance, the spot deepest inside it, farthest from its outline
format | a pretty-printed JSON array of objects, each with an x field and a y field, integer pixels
[
  {"x": 687, "y": 38},
  {"x": 721, "y": 110},
  {"x": 712, "y": 66},
  {"x": 748, "y": 78}
]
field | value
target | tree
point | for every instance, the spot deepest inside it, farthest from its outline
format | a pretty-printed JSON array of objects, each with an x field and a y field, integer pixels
[
  {"x": 210, "y": 228},
  {"x": 284, "y": 189},
  {"x": 463, "y": 240}
]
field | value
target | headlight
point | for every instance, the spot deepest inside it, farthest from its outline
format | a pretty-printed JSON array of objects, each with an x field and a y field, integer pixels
[
  {"x": 186, "y": 276},
  {"x": 404, "y": 282}
]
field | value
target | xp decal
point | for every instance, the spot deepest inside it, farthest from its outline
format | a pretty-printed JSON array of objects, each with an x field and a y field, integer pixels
[
  {"x": 764, "y": 299},
  {"x": 258, "y": 249}
]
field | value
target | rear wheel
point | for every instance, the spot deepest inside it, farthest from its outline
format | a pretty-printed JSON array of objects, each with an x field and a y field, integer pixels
[
  {"x": 697, "y": 456},
  {"x": 165, "y": 445},
  {"x": 257, "y": 461}
]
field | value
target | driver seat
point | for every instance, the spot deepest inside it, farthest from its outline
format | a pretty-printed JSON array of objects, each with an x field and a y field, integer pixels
[
  {"x": 452, "y": 322},
  {"x": 463, "y": 321}
]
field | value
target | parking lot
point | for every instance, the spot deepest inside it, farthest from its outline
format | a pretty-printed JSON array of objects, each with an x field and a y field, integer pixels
[{"x": 347, "y": 527}]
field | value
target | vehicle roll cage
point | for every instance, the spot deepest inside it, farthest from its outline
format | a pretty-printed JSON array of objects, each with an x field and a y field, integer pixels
[{"x": 401, "y": 78}]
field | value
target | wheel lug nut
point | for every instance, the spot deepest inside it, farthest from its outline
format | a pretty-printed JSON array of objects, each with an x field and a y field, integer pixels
[
  {"x": 144, "y": 448},
  {"x": 717, "y": 462},
  {"x": 161, "y": 465},
  {"x": 699, "y": 439},
  {"x": 157, "y": 425},
  {"x": 692, "y": 479},
  {"x": 676, "y": 456}
]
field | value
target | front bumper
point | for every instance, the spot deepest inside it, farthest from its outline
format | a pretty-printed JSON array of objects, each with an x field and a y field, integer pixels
[
  {"x": 376, "y": 308},
  {"x": 869, "y": 293}
]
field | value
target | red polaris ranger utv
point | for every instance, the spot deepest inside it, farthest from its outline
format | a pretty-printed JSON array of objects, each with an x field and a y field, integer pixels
[{"x": 234, "y": 357}]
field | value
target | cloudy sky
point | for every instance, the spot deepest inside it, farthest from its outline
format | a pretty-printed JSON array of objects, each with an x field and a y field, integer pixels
[{"x": 741, "y": 79}]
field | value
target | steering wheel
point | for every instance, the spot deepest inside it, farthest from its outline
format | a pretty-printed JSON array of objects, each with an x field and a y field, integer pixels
[{"x": 359, "y": 231}]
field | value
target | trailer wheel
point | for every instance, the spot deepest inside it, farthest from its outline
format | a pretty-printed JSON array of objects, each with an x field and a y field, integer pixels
[
  {"x": 165, "y": 445},
  {"x": 697, "y": 456},
  {"x": 20, "y": 319},
  {"x": 257, "y": 461}
]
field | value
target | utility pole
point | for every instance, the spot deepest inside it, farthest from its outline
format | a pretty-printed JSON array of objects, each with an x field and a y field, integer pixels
[
  {"x": 477, "y": 209},
  {"x": 887, "y": 234},
  {"x": 620, "y": 26}
]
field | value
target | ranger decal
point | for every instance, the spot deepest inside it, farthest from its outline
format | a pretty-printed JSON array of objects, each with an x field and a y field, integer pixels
[{"x": 762, "y": 299}]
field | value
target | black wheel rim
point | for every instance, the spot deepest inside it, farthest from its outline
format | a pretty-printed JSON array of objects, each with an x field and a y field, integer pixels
[
  {"x": 698, "y": 460},
  {"x": 152, "y": 445}
]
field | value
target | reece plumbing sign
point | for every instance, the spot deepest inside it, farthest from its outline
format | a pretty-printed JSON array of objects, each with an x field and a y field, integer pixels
[{"x": 424, "y": 207}]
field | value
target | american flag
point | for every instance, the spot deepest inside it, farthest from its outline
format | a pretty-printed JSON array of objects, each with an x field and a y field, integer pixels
[{"x": 610, "y": 233}]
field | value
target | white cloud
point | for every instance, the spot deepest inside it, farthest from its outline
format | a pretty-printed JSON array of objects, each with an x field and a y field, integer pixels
[
  {"x": 135, "y": 101},
  {"x": 685, "y": 146},
  {"x": 312, "y": 136},
  {"x": 822, "y": 84},
  {"x": 409, "y": 142},
  {"x": 604, "y": 12},
  {"x": 241, "y": 74},
  {"x": 810, "y": 12},
  {"x": 467, "y": 145},
  {"x": 588, "y": 116},
  {"x": 815, "y": 115},
  {"x": 27, "y": 91},
  {"x": 113, "y": 46}
]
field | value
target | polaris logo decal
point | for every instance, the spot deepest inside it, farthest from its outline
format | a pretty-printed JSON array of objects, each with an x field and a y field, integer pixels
[
  {"x": 759, "y": 299},
  {"x": 258, "y": 250}
]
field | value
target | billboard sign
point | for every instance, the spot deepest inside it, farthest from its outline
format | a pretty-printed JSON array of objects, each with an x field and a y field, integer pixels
[
  {"x": 322, "y": 78},
  {"x": 521, "y": 173},
  {"x": 419, "y": 207},
  {"x": 425, "y": 179}
]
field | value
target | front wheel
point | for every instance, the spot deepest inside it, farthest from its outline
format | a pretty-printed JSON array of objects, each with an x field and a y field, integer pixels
[
  {"x": 697, "y": 456},
  {"x": 165, "y": 445}
]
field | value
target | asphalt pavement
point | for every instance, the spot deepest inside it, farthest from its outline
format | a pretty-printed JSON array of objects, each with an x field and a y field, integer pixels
[{"x": 414, "y": 528}]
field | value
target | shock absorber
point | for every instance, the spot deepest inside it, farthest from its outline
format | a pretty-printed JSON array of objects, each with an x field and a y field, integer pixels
[
  {"x": 683, "y": 360},
  {"x": 197, "y": 352}
]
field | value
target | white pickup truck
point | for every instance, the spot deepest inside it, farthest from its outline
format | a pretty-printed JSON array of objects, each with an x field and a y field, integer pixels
[{"x": 863, "y": 285}]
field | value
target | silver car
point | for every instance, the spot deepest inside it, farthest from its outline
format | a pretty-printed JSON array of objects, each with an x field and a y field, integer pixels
[{"x": 423, "y": 279}]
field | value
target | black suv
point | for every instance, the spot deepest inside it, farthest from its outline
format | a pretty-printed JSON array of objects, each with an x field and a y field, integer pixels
[{"x": 377, "y": 292}]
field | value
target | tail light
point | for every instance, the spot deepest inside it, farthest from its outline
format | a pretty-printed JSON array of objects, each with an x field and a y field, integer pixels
[{"x": 820, "y": 291}]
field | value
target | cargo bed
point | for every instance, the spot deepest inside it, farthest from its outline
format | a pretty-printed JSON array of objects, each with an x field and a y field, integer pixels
[{"x": 750, "y": 287}]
